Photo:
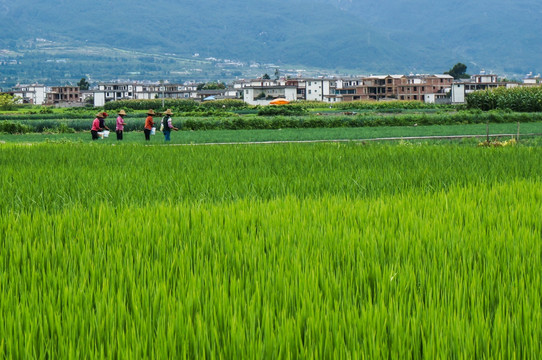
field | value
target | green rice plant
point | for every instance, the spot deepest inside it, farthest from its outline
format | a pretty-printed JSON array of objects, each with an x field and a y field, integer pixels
[
  {"x": 271, "y": 251},
  {"x": 406, "y": 275}
]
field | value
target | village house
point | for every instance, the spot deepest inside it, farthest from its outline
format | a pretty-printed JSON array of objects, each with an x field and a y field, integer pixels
[
  {"x": 34, "y": 94},
  {"x": 343, "y": 89},
  {"x": 128, "y": 91},
  {"x": 313, "y": 89},
  {"x": 64, "y": 96},
  {"x": 478, "y": 82},
  {"x": 379, "y": 87},
  {"x": 429, "y": 88},
  {"x": 147, "y": 91},
  {"x": 531, "y": 80},
  {"x": 263, "y": 95}
]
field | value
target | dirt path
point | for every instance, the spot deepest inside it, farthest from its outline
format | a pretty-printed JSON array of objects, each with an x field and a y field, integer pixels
[{"x": 404, "y": 138}]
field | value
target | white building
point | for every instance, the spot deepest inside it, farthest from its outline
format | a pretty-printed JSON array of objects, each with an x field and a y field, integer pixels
[
  {"x": 263, "y": 95},
  {"x": 319, "y": 89},
  {"x": 118, "y": 91},
  {"x": 458, "y": 93},
  {"x": 99, "y": 98},
  {"x": 129, "y": 91},
  {"x": 31, "y": 94}
]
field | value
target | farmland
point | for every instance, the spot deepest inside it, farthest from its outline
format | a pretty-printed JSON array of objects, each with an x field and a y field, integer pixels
[
  {"x": 270, "y": 251},
  {"x": 304, "y": 134}
]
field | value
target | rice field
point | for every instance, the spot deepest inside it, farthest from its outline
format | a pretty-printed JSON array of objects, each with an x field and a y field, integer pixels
[{"x": 272, "y": 251}]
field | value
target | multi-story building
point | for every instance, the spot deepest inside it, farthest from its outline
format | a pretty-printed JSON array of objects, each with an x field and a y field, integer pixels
[
  {"x": 399, "y": 87},
  {"x": 375, "y": 88},
  {"x": 68, "y": 95},
  {"x": 128, "y": 91},
  {"x": 34, "y": 94},
  {"x": 114, "y": 91},
  {"x": 427, "y": 88},
  {"x": 345, "y": 90},
  {"x": 313, "y": 89}
]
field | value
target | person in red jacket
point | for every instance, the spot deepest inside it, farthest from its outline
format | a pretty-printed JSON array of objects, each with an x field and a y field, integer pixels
[
  {"x": 96, "y": 126},
  {"x": 149, "y": 124}
]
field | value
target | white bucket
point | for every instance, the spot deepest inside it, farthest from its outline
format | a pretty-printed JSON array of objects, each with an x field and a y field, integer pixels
[{"x": 153, "y": 131}]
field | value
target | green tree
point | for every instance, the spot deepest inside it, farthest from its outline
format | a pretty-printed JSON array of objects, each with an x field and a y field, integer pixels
[
  {"x": 211, "y": 86},
  {"x": 8, "y": 102},
  {"x": 459, "y": 71},
  {"x": 266, "y": 77},
  {"x": 83, "y": 84},
  {"x": 214, "y": 86}
]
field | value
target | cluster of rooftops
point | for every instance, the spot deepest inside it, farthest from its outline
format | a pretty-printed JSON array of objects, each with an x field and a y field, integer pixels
[{"x": 432, "y": 88}]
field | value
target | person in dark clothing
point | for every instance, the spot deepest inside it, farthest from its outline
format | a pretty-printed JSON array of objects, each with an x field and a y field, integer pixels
[{"x": 167, "y": 125}]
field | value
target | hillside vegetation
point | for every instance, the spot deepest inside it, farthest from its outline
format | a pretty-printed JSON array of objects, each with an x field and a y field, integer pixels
[{"x": 394, "y": 36}]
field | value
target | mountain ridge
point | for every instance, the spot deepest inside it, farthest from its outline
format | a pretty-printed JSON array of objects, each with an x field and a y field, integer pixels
[{"x": 391, "y": 36}]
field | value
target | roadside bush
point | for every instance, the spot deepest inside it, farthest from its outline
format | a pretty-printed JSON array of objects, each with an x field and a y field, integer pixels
[
  {"x": 208, "y": 113},
  {"x": 386, "y": 105},
  {"x": 226, "y": 104},
  {"x": 48, "y": 116},
  {"x": 14, "y": 128},
  {"x": 179, "y": 105},
  {"x": 285, "y": 110},
  {"x": 222, "y": 120}
]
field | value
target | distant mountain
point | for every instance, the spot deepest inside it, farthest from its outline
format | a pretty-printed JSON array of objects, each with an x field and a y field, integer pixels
[
  {"x": 498, "y": 35},
  {"x": 386, "y": 36}
]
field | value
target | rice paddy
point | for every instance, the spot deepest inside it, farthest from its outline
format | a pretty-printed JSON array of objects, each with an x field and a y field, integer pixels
[{"x": 270, "y": 251}]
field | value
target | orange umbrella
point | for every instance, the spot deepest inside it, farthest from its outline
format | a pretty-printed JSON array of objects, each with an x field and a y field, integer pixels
[{"x": 279, "y": 101}]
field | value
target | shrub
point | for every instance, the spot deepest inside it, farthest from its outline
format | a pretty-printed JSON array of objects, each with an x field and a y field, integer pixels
[
  {"x": 287, "y": 110},
  {"x": 226, "y": 104},
  {"x": 179, "y": 105},
  {"x": 14, "y": 128}
]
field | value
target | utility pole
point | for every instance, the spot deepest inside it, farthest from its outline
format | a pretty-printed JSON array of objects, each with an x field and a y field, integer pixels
[{"x": 162, "y": 88}]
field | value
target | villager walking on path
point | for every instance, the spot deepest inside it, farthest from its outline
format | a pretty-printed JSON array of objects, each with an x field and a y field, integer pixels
[
  {"x": 167, "y": 125},
  {"x": 149, "y": 124},
  {"x": 96, "y": 126},
  {"x": 119, "y": 129}
]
